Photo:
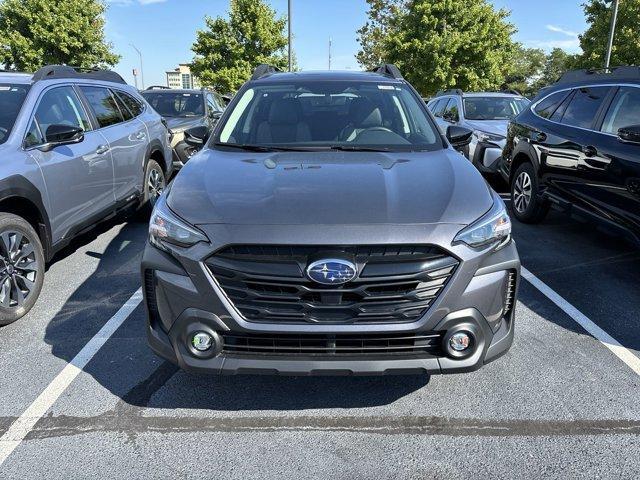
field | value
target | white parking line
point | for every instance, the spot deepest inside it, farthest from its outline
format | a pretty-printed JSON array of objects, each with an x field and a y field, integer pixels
[
  {"x": 581, "y": 319},
  {"x": 25, "y": 423}
]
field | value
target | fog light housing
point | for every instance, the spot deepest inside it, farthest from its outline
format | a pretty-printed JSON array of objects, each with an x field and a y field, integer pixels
[
  {"x": 460, "y": 341},
  {"x": 202, "y": 341}
]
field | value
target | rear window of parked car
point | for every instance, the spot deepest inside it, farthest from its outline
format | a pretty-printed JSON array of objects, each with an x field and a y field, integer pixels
[
  {"x": 584, "y": 106},
  {"x": 548, "y": 105},
  {"x": 134, "y": 106},
  {"x": 104, "y": 105}
]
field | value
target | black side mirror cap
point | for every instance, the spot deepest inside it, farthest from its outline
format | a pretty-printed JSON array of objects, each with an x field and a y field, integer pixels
[
  {"x": 197, "y": 136},
  {"x": 58, "y": 134},
  {"x": 459, "y": 137},
  {"x": 630, "y": 134}
]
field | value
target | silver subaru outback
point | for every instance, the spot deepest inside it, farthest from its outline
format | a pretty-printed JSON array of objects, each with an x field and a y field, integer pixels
[
  {"x": 328, "y": 227},
  {"x": 76, "y": 147}
]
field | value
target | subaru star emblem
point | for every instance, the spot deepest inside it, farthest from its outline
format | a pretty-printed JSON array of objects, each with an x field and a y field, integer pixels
[{"x": 332, "y": 271}]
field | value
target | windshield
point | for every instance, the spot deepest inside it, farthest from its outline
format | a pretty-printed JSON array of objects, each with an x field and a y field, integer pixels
[
  {"x": 493, "y": 108},
  {"x": 176, "y": 104},
  {"x": 329, "y": 115},
  {"x": 11, "y": 98}
]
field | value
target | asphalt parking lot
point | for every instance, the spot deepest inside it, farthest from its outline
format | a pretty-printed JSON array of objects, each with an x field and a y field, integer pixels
[{"x": 559, "y": 404}]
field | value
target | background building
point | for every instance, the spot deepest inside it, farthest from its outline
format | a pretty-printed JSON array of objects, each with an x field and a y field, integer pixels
[{"x": 181, "y": 77}]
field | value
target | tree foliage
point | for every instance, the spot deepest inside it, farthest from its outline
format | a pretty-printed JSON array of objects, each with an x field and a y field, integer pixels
[
  {"x": 524, "y": 69},
  {"x": 440, "y": 43},
  {"x": 626, "y": 45},
  {"x": 34, "y": 33},
  {"x": 228, "y": 50}
]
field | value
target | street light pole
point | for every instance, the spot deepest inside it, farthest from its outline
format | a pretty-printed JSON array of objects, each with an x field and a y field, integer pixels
[
  {"x": 614, "y": 18},
  {"x": 141, "y": 69},
  {"x": 289, "y": 26}
]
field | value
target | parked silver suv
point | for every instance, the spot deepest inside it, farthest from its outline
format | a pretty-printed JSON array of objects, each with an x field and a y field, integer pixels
[
  {"x": 76, "y": 148},
  {"x": 486, "y": 113}
]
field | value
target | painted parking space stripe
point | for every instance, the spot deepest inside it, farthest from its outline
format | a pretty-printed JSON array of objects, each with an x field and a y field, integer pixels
[
  {"x": 25, "y": 423},
  {"x": 624, "y": 354}
]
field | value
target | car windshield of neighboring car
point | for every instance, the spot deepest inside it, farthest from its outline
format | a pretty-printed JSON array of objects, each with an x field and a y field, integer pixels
[
  {"x": 493, "y": 108},
  {"x": 11, "y": 99},
  {"x": 176, "y": 104},
  {"x": 317, "y": 115}
]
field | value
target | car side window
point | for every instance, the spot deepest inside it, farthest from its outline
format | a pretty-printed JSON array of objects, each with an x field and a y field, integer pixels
[
  {"x": 134, "y": 106},
  {"x": 547, "y": 107},
  {"x": 439, "y": 106},
  {"x": 584, "y": 106},
  {"x": 211, "y": 104},
  {"x": 624, "y": 110},
  {"x": 103, "y": 104},
  {"x": 126, "y": 113},
  {"x": 58, "y": 106},
  {"x": 451, "y": 111}
]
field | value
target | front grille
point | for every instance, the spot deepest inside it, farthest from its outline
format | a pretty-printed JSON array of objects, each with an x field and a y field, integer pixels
[
  {"x": 405, "y": 344},
  {"x": 396, "y": 283}
]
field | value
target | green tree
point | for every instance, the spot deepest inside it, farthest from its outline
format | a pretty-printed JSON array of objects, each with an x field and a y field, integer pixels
[
  {"x": 372, "y": 34},
  {"x": 626, "y": 45},
  {"x": 34, "y": 33},
  {"x": 443, "y": 43},
  {"x": 524, "y": 69},
  {"x": 557, "y": 63},
  {"x": 228, "y": 50}
]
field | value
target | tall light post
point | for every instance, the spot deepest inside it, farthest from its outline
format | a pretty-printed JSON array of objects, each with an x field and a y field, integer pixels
[
  {"x": 612, "y": 32},
  {"x": 141, "y": 69},
  {"x": 290, "y": 36}
]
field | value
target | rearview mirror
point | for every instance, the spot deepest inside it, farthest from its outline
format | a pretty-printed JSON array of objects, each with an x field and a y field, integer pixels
[
  {"x": 630, "y": 134},
  {"x": 58, "y": 134},
  {"x": 459, "y": 137},
  {"x": 197, "y": 136}
]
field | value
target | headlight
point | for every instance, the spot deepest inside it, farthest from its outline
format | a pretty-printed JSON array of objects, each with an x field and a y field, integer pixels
[
  {"x": 487, "y": 137},
  {"x": 493, "y": 227},
  {"x": 165, "y": 227}
]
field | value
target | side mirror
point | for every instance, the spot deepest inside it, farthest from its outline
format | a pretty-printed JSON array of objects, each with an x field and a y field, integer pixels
[
  {"x": 216, "y": 115},
  {"x": 197, "y": 136},
  {"x": 58, "y": 134},
  {"x": 459, "y": 137},
  {"x": 630, "y": 134}
]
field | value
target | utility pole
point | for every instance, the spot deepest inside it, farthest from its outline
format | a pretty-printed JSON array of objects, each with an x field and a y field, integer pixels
[
  {"x": 135, "y": 77},
  {"x": 329, "y": 53},
  {"x": 141, "y": 69},
  {"x": 290, "y": 36},
  {"x": 614, "y": 19}
]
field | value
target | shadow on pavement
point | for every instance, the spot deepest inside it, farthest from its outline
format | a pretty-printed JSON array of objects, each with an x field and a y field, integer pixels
[{"x": 127, "y": 368}]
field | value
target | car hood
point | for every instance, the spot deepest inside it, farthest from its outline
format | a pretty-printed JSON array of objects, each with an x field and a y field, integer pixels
[
  {"x": 331, "y": 188},
  {"x": 182, "y": 123},
  {"x": 496, "y": 127}
]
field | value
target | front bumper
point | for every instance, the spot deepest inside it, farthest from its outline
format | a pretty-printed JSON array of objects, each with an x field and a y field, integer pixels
[
  {"x": 182, "y": 297},
  {"x": 486, "y": 155}
]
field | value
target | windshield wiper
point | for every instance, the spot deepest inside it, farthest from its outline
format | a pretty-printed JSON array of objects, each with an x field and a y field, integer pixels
[
  {"x": 356, "y": 148},
  {"x": 258, "y": 148}
]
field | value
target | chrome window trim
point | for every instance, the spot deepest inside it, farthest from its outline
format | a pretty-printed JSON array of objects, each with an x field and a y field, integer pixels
[{"x": 575, "y": 87}]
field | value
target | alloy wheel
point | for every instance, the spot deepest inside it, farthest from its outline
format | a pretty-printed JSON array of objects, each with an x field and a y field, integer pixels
[
  {"x": 155, "y": 185},
  {"x": 18, "y": 269},
  {"x": 522, "y": 192}
]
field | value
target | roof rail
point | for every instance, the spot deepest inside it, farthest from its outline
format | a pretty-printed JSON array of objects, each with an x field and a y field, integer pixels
[
  {"x": 66, "y": 71},
  {"x": 263, "y": 70},
  {"x": 510, "y": 91},
  {"x": 618, "y": 73},
  {"x": 388, "y": 70},
  {"x": 157, "y": 87},
  {"x": 452, "y": 91}
]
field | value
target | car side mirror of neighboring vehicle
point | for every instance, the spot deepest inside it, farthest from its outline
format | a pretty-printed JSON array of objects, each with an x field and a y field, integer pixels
[
  {"x": 630, "y": 134},
  {"x": 57, "y": 135},
  {"x": 459, "y": 137},
  {"x": 197, "y": 136}
]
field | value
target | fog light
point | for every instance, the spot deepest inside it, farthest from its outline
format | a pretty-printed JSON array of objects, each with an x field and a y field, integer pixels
[
  {"x": 202, "y": 341},
  {"x": 460, "y": 341}
]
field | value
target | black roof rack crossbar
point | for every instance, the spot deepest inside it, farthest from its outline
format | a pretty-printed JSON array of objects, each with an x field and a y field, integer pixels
[
  {"x": 157, "y": 87},
  {"x": 617, "y": 73},
  {"x": 452, "y": 91},
  {"x": 388, "y": 70},
  {"x": 510, "y": 91},
  {"x": 65, "y": 71},
  {"x": 263, "y": 70}
]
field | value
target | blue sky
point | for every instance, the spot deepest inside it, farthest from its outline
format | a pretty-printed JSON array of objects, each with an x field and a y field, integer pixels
[{"x": 164, "y": 30}]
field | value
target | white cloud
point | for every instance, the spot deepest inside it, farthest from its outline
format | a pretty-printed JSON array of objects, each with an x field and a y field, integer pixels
[
  {"x": 571, "y": 44},
  {"x": 568, "y": 33}
]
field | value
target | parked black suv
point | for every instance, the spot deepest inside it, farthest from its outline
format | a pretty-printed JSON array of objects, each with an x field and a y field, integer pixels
[
  {"x": 578, "y": 147},
  {"x": 183, "y": 110}
]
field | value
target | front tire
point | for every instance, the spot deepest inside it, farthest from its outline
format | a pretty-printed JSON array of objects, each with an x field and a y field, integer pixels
[
  {"x": 21, "y": 268},
  {"x": 154, "y": 184},
  {"x": 526, "y": 203}
]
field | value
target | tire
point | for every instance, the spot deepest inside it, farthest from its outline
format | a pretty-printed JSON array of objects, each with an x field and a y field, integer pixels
[
  {"x": 22, "y": 268},
  {"x": 526, "y": 203},
  {"x": 154, "y": 184}
]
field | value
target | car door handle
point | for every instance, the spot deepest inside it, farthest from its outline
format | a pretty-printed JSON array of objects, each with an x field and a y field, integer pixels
[
  {"x": 141, "y": 136},
  {"x": 590, "y": 151},
  {"x": 102, "y": 149}
]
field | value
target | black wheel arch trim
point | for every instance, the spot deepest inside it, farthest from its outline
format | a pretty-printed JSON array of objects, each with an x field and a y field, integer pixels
[
  {"x": 155, "y": 146},
  {"x": 18, "y": 187},
  {"x": 524, "y": 148}
]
